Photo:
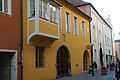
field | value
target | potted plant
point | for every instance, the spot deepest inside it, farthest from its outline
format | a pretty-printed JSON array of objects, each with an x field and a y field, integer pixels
[
  {"x": 112, "y": 67},
  {"x": 103, "y": 70}
]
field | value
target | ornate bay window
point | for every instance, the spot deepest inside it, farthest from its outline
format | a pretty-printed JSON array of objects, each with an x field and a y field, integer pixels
[
  {"x": 48, "y": 10},
  {"x": 44, "y": 21}
]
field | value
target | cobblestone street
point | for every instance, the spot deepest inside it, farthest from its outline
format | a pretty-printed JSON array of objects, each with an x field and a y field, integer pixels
[{"x": 109, "y": 76}]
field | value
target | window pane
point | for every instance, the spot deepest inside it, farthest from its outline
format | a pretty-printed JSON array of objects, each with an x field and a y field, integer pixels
[
  {"x": 6, "y": 6},
  {"x": 67, "y": 15},
  {"x": 39, "y": 56},
  {"x": 60, "y": 26},
  {"x": 50, "y": 12},
  {"x": 45, "y": 9},
  {"x": 54, "y": 14},
  {"x": 83, "y": 28},
  {"x": 40, "y": 8},
  {"x": 0, "y": 5},
  {"x": 68, "y": 21},
  {"x": 76, "y": 25},
  {"x": 32, "y": 8}
]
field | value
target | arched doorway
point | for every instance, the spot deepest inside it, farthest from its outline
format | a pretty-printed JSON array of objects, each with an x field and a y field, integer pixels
[
  {"x": 85, "y": 60},
  {"x": 101, "y": 57},
  {"x": 63, "y": 62}
]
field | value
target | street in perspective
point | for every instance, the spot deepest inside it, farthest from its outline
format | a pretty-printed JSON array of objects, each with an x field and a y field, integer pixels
[{"x": 110, "y": 76}]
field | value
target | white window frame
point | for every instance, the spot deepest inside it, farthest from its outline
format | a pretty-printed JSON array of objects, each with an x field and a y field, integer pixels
[
  {"x": 29, "y": 16},
  {"x": 76, "y": 28},
  {"x": 54, "y": 20},
  {"x": 39, "y": 57},
  {"x": 9, "y": 7},
  {"x": 60, "y": 19},
  {"x": 42, "y": 5},
  {"x": 84, "y": 30},
  {"x": 68, "y": 31}
]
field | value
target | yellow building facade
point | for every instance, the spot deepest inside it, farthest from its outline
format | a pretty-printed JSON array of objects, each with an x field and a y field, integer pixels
[{"x": 55, "y": 40}]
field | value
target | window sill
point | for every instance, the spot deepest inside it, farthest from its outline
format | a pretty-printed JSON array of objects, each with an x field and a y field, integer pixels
[
  {"x": 48, "y": 20},
  {"x": 95, "y": 41},
  {"x": 53, "y": 22},
  {"x": 76, "y": 34},
  {"x": 41, "y": 67},
  {"x": 31, "y": 17},
  {"x": 3, "y": 13},
  {"x": 43, "y": 18},
  {"x": 84, "y": 37},
  {"x": 69, "y": 32}
]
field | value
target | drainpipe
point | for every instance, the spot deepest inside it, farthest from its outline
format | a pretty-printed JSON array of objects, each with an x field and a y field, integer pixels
[
  {"x": 91, "y": 49},
  {"x": 21, "y": 37}
]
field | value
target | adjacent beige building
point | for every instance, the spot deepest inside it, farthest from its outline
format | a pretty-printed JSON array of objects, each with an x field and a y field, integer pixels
[{"x": 117, "y": 48}]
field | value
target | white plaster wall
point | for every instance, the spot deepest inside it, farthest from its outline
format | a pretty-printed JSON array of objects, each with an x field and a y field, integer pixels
[
  {"x": 102, "y": 29},
  {"x": 108, "y": 47},
  {"x": 96, "y": 21}
]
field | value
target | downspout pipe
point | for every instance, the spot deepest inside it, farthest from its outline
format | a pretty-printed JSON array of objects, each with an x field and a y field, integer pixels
[
  {"x": 91, "y": 49},
  {"x": 21, "y": 37}
]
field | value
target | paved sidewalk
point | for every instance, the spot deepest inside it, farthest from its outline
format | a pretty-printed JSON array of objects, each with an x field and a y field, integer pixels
[{"x": 86, "y": 76}]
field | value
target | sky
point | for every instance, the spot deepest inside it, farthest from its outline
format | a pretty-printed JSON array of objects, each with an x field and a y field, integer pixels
[{"x": 109, "y": 7}]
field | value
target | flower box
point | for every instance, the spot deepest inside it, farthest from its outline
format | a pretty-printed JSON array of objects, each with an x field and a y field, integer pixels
[{"x": 103, "y": 72}]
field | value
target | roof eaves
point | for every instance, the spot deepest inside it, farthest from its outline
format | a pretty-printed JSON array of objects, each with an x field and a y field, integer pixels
[
  {"x": 100, "y": 16},
  {"x": 79, "y": 10},
  {"x": 56, "y": 3},
  {"x": 83, "y": 4},
  {"x": 96, "y": 12}
]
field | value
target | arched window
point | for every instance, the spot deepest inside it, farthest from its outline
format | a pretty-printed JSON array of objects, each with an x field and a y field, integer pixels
[
  {"x": 85, "y": 60},
  {"x": 94, "y": 33}
]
